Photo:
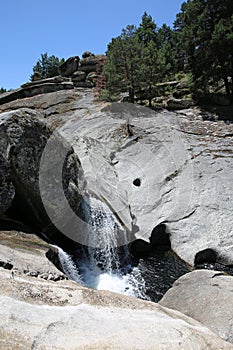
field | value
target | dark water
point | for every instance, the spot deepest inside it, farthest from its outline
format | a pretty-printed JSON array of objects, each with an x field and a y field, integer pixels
[{"x": 159, "y": 273}]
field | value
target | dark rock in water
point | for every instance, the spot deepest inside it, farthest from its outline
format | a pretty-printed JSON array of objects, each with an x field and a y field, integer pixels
[
  {"x": 206, "y": 256},
  {"x": 228, "y": 269}
]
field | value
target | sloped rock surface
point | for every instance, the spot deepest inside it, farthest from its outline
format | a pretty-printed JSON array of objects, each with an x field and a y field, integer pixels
[
  {"x": 206, "y": 296},
  {"x": 185, "y": 169},
  {"x": 24, "y": 254},
  {"x": 38, "y": 314}
]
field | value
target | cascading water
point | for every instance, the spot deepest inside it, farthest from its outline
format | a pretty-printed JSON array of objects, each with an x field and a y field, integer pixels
[
  {"x": 104, "y": 265},
  {"x": 68, "y": 265}
]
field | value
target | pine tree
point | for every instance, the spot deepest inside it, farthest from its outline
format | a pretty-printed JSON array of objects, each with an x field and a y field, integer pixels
[
  {"x": 47, "y": 66},
  {"x": 123, "y": 68},
  {"x": 204, "y": 28}
]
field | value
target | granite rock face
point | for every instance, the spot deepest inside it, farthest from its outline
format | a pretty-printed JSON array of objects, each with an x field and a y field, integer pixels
[
  {"x": 7, "y": 190},
  {"x": 183, "y": 166},
  {"x": 206, "y": 296},
  {"x": 27, "y": 134},
  {"x": 151, "y": 168}
]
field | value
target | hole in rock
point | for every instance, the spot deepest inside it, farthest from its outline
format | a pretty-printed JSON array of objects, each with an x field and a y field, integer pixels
[
  {"x": 160, "y": 237},
  {"x": 206, "y": 256},
  {"x": 137, "y": 182}
]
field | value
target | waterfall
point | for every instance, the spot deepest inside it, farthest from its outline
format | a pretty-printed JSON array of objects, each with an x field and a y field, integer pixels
[
  {"x": 68, "y": 265},
  {"x": 105, "y": 265}
]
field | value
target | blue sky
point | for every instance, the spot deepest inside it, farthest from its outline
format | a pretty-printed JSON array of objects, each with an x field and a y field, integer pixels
[{"x": 66, "y": 28}]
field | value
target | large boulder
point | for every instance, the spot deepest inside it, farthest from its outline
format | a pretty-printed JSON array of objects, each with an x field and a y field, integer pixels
[
  {"x": 70, "y": 66},
  {"x": 36, "y": 154},
  {"x": 206, "y": 296}
]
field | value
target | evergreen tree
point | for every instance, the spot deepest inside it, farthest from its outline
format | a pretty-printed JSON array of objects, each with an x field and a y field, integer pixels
[
  {"x": 204, "y": 28},
  {"x": 147, "y": 30},
  {"x": 2, "y": 90},
  {"x": 150, "y": 61},
  {"x": 168, "y": 52},
  {"x": 47, "y": 66},
  {"x": 123, "y": 67}
]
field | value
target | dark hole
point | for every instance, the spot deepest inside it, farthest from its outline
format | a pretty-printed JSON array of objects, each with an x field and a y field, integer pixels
[
  {"x": 205, "y": 256},
  {"x": 160, "y": 237},
  {"x": 137, "y": 182}
]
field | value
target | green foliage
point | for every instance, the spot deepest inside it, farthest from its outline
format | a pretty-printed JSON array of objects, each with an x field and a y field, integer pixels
[
  {"x": 140, "y": 58},
  {"x": 2, "y": 90},
  {"x": 205, "y": 28},
  {"x": 46, "y": 66},
  {"x": 200, "y": 47},
  {"x": 124, "y": 56}
]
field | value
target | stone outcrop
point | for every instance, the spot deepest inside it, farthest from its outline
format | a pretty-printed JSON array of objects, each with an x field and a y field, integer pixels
[
  {"x": 206, "y": 296},
  {"x": 70, "y": 66},
  {"x": 36, "y": 88},
  {"x": 167, "y": 177}
]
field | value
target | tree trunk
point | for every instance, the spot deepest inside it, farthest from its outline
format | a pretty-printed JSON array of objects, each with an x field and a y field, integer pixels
[
  {"x": 227, "y": 86},
  {"x": 131, "y": 95}
]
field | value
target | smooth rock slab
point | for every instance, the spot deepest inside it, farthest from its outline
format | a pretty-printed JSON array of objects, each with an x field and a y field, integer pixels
[
  {"x": 206, "y": 296},
  {"x": 74, "y": 317}
]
